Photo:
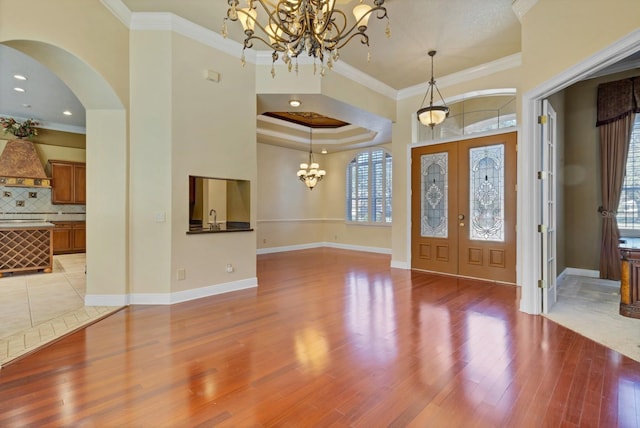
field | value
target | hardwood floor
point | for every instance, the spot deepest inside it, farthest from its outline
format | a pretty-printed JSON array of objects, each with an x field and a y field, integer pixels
[{"x": 330, "y": 338}]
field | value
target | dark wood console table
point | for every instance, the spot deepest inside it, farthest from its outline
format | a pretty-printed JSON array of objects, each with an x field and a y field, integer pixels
[{"x": 630, "y": 280}]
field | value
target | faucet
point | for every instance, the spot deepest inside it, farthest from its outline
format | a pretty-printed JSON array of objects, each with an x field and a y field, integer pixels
[{"x": 214, "y": 225}]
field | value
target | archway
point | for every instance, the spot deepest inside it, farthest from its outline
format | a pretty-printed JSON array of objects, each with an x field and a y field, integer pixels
[{"x": 107, "y": 173}]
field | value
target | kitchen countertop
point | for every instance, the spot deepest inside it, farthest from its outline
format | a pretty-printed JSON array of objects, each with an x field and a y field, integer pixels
[{"x": 22, "y": 224}]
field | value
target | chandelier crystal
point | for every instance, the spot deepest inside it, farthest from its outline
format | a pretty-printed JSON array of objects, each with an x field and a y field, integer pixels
[
  {"x": 310, "y": 173},
  {"x": 291, "y": 27},
  {"x": 432, "y": 115}
]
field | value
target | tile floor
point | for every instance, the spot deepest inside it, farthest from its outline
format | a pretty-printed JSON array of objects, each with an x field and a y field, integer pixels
[
  {"x": 36, "y": 308},
  {"x": 589, "y": 306}
]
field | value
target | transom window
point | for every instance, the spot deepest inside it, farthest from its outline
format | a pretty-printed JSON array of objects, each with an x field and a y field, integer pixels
[
  {"x": 369, "y": 187},
  {"x": 628, "y": 215}
]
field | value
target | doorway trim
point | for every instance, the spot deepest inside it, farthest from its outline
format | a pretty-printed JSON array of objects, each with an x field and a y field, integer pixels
[{"x": 528, "y": 242}]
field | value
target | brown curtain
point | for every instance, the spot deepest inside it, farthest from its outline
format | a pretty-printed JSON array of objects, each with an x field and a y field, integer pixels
[
  {"x": 616, "y": 106},
  {"x": 614, "y": 145}
]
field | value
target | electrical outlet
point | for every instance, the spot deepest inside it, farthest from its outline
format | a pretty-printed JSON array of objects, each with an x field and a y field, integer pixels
[
  {"x": 181, "y": 274},
  {"x": 229, "y": 268},
  {"x": 264, "y": 241}
]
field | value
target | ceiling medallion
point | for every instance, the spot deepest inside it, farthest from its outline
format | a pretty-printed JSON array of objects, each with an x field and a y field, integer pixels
[{"x": 291, "y": 27}]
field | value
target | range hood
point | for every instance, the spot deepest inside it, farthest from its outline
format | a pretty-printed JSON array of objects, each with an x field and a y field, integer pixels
[{"x": 20, "y": 166}]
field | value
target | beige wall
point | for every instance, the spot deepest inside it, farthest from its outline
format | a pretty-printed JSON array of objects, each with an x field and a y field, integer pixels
[
  {"x": 556, "y": 34},
  {"x": 151, "y": 130},
  {"x": 289, "y": 214},
  {"x": 213, "y": 134}
]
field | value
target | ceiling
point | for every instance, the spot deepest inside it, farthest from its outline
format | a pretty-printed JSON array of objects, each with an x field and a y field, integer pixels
[{"x": 466, "y": 34}]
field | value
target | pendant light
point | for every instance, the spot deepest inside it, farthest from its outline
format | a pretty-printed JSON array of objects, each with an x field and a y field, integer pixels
[{"x": 432, "y": 115}]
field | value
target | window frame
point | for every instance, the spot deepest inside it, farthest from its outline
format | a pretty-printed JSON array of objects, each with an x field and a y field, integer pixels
[
  {"x": 386, "y": 180},
  {"x": 635, "y": 140}
]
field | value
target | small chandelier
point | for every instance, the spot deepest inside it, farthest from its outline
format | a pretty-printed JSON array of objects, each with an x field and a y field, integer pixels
[
  {"x": 310, "y": 173},
  {"x": 432, "y": 115},
  {"x": 291, "y": 27}
]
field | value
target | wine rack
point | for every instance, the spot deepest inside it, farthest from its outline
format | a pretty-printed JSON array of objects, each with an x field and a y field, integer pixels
[{"x": 25, "y": 249}]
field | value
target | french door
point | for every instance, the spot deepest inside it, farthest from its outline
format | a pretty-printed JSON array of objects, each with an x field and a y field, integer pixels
[
  {"x": 548, "y": 183},
  {"x": 463, "y": 207}
]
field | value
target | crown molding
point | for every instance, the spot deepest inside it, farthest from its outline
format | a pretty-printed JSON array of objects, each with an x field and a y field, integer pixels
[
  {"x": 53, "y": 126},
  {"x": 487, "y": 69},
  {"x": 119, "y": 10},
  {"x": 364, "y": 79},
  {"x": 62, "y": 127},
  {"x": 164, "y": 21},
  {"x": 521, "y": 7},
  {"x": 340, "y": 67}
]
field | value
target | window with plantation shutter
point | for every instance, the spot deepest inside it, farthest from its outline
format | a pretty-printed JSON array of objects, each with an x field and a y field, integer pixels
[{"x": 369, "y": 187}]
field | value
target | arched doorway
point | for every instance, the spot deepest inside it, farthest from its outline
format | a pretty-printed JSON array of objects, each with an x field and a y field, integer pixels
[{"x": 107, "y": 173}]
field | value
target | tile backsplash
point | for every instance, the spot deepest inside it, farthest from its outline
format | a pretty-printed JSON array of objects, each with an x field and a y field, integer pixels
[{"x": 35, "y": 203}]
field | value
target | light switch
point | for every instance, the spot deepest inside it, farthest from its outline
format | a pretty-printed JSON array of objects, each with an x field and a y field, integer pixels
[{"x": 161, "y": 217}]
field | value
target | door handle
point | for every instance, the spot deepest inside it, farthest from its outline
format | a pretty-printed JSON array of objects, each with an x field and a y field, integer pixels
[{"x": 460, "y": 216}]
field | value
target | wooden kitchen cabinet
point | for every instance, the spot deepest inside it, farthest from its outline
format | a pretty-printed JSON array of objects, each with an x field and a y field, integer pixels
[
  {"x": 69, "y": 237},
  {"x": 68, "y": 182}
]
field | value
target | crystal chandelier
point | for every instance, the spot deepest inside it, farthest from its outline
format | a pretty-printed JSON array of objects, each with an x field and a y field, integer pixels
[
  {"x": 310, "y": 173},
  {"x": 432, "y": 115},
  {"x": 291, "y": 27}
]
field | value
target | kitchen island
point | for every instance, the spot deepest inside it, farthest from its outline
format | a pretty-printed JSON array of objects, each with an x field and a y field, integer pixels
[{"x": 25, "y": 245}]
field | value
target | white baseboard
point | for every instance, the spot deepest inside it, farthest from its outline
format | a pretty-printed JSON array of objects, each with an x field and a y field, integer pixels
[
  {"x": 580, "y": 272},
  {"x": 168, "y": 298},
  {"x": 324, "y": 244},
  {"x": 378, "y": 250},
  {"x": 287, "y": 248},
  {"x": 106, "y": 300},
  {"x": 400, "y": 265}
]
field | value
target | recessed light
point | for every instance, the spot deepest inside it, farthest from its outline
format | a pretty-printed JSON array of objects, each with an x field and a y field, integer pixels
[
  {"x": 324, "y": 151},
  {"x": 19, "y": 77},
  {"x": 26, "y": 105},
  {"x": 295, "y": 103},
  {"x": 18, "y": 89},
  {"x": 67, "y": 113}
]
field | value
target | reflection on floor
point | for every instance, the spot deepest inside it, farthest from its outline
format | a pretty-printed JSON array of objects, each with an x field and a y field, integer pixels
[
  {"x": 36, "y": 308},
  {"x": 589, "y": 306}
]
